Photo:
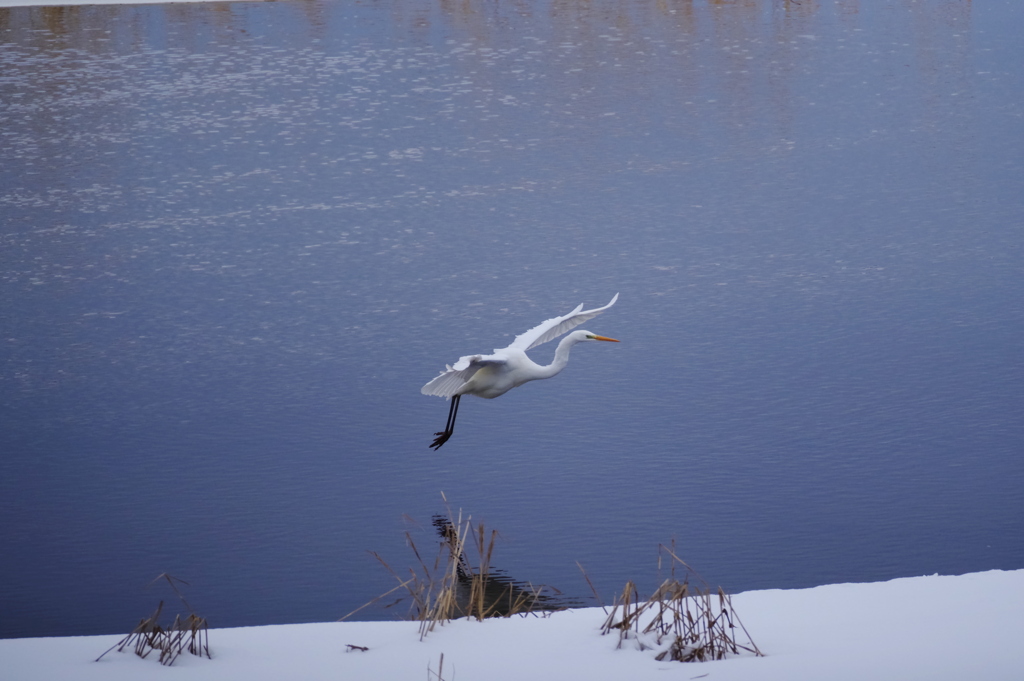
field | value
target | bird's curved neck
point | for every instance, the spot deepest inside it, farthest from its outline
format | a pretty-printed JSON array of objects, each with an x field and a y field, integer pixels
[{"x": 561, "y": 357}]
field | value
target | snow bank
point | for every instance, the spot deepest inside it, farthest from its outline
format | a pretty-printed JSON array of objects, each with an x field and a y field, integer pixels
[{"x": 927, "y": 628}]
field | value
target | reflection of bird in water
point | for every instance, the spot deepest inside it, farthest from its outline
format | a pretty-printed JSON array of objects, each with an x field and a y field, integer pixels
[
  {"x": 493, "y": 375},
  {"x": 447, "y": 530},
  {"x": 488, "y": 592}
]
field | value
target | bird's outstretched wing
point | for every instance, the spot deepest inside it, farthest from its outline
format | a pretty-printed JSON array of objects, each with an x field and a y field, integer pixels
[
  {"x": 454, "y": 377},
  {"x": 555, "y": 327}
]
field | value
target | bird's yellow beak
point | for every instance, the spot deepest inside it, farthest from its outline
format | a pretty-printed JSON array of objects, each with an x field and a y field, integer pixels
[{"x": 604, "y": 338}]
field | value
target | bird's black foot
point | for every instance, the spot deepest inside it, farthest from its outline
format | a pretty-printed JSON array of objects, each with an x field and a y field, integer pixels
[
  {"x": 449, "y": 427},
  {"x": 441, "y": 438}
]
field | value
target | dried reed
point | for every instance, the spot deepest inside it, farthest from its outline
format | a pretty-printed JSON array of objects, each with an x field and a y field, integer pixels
[
  {"x": 450, "y": 587},
  {"x": 436, "y": 676},
  {"x": 190, "y": 633},
  {"x": 687, "y": 623}
]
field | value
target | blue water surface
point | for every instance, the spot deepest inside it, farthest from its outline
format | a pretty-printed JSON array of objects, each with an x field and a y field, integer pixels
[{"x": 236, "y": 239}]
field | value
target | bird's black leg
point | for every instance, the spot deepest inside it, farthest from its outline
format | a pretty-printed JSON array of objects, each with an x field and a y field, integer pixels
[
  {"x": 449, "y": 427},
  {"x": 453, "y": 409}
]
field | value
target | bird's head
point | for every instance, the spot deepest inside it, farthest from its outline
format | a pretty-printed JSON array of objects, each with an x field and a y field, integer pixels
[{"x": 588, "y": 336}]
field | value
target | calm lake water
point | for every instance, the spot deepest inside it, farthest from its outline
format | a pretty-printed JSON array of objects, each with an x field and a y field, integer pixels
[{"x": 237, "y": 238}]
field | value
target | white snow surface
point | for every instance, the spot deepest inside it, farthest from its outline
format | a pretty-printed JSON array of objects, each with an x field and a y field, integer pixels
[{"x": 923, "y": 628}]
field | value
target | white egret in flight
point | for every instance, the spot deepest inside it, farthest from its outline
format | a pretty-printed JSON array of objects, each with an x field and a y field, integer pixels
[{"x": 493, "y": 375}]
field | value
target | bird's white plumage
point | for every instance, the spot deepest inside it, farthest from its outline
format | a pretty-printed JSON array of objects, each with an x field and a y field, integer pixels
[
  {"x": 454, "y": 377},
  {"x": 553, "y": 328},
  {"x": 515, "y": 367}
]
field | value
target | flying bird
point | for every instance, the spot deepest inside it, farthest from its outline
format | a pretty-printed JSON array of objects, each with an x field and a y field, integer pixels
[{"x": 493, "y": 375}]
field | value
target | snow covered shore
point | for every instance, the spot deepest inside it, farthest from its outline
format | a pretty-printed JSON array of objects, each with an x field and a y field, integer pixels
[{"x": 927, "y": 628}]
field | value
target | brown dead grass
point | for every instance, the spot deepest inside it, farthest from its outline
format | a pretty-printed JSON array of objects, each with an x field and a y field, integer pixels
[
  {"x": 449, "y": 587},
  {"x": 688, "y": 622},
  {"x": 189, "y": 633}
]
